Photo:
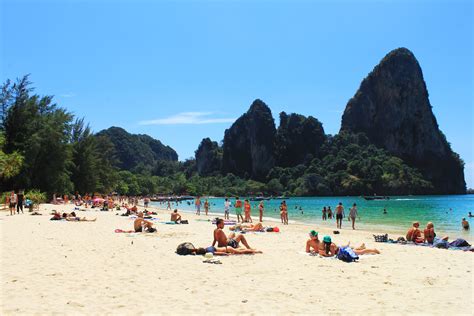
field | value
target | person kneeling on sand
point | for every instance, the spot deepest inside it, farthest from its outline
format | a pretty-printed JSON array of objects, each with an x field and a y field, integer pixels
[
  {"x": 221, "y": 239},
  {"x": 329, "y": 249},
  {"x": 175, "y": 216},
  {"x": 312, "y": 244},
  {"x": 139, "y": 224}
]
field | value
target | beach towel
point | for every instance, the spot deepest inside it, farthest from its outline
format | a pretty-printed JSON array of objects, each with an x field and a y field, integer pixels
[{"x": 459, "y": 243}]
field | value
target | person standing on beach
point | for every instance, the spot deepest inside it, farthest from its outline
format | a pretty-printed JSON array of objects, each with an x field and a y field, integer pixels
[
  {"x": 284, "y": 213},
  {"x": 260, "y": 211},
  {"x": 324, "y": 213},
  {"x": 19, "y": 202},
  {"x": 206, "y": 207},
  {"x": 353, "y": 214},
  {"x": 226, "y": 208},
  {"x": 339, "y": 215},
  {"x": 197, "y": 203},
  {"x": 238, "y": 210},
  {"x": 465, "y": 224},
  {"x": 12, "y": 202},
  {"x": 247, "y": 208}
]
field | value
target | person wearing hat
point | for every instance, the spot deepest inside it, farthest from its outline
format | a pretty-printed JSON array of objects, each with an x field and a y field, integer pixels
[
  {"x": 312, "y": 245},
  {"x": 327, "y": 248}
]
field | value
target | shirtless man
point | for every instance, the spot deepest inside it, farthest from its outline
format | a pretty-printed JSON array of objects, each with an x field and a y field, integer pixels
[
  {"x": 221, "y": 239},
  {"x": 339, "y": 215},
  {"x": 414, "y": 233},
  {"x": 247, "y": 227},
  {"x": 465, "y": 224},
  {"x": 312, "y": 244},
  {"x": 175, "y": 216},
  {"x": 137, "y": 224}
]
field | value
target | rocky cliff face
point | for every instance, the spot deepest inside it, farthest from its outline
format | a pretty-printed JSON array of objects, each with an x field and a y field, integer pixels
[
  {"x": 248, "y": 148},
  {"x": 208, "y": 157},
  {"x": 392, "y": 108},
  {"x": 298, "y": 139}
]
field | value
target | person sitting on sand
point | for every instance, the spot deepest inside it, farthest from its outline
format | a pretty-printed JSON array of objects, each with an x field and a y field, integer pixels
[
  {"x": 223, "y": 241},
  {"x": 140, "y": 222},
  {"x": 312, "y": 244},
  {"x": 414, "y": 233},
  {"x": 248, "y": 227},
  {"x": 430, "y": 235},
  {"x": 465, "y": 224},
  {"x": 175, "y": 216}
]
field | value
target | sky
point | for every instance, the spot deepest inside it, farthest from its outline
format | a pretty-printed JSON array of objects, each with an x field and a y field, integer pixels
[{"x": 184, "y": 70}]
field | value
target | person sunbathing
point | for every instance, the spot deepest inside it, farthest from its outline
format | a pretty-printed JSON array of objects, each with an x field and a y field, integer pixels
[
  {"x": 329, "y": 249},
  {"x": 248, "y": 227},
  {"x": 80, "y": 219},
  {"x": 175, "y": 216},
  {"x": 223, "y": 241},
  {"x": 140, "y": 224},
  {"x": 430, "y": 235},
  {"x": 224, "y": 251},
  {"x": 414, "y": 233},
  {"x": 312, "y": 244}
]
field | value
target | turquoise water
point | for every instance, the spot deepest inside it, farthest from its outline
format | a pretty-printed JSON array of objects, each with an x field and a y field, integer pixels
[{"x": 445, "y": 212}]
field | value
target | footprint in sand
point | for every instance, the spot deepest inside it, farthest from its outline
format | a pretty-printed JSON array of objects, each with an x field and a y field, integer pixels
[{"x": 76, "y": 304}]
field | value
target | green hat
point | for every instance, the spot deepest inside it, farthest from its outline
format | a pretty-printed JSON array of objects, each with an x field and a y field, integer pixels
[
  {"x": 313, "y": 233},
  {"x": 327, "y": 239}
]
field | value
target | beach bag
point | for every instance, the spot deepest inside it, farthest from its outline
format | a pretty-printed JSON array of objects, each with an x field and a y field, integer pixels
[
  {"x": 459, "y": 243},
  {"x": 440, "y": 243},
  {"x": 184, "y": 221},
  {"x": 381, "y": 238},
  {"x": 185, "y": 249},
  {"x": 346, "y": 254},
  {"x": 269, "y": 229}
]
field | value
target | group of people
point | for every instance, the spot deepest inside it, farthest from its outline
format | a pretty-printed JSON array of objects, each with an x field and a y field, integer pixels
[
  {"x": 15, "y": 202},
  {"x": 327, "y": 248},
  {"x": 339, "y": 214},
  {"x": 414, "y": 234}
]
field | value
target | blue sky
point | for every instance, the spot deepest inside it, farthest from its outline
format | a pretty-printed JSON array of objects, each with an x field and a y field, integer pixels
[{"x": 183, "y": 70}]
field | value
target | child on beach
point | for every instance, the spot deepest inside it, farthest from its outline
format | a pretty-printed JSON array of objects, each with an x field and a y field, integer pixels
[{"x": 226, "y": 208}]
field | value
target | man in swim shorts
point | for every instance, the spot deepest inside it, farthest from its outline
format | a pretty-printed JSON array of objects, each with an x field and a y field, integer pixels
[
  {"x": 175, "y": 216},
  {"x": 223, "y": 241},
  {"x": 139, "y": 222},
  {"x": 339, "y": 215}
]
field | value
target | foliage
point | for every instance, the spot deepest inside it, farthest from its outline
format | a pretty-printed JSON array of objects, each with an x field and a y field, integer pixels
[{"x": 36, "y": 197}]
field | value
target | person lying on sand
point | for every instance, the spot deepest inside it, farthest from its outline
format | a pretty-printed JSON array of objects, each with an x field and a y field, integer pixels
[
  {"x": 224, "y": 251},
  {"x": 80, "y": 219},
  {"x": 312, "y": 244},
  {"x": 221, "y": 239},
  {"x": 329, "y": 249},
  {"x": 248, "y": 227},
  {"x": 140, "y": 222},
  {"x": 175, "y": 216},
  {"x": 414, "y": 233}
]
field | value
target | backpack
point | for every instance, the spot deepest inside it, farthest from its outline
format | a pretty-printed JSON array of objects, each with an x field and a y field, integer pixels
[
  {"x": 346, "y": 254},
  {"x": 185, "y": 249}
]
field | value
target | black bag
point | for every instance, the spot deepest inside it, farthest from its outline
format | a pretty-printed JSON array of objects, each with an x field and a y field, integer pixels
[
  {"x": 185, "y": 249},
  {"x": 381, "y": 238},
  {"x": 184, "y": 221}
]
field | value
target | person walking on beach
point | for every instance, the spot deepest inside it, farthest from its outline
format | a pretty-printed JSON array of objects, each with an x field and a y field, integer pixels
[
  {"x": 247, "y": 208},
  {"x": 353, "y": 214},
  {"x": 168, "y": 206},
  {"x": 12, "y": 202},
  {"x": 329, "y": 212},
  {"x": 238, "y": 210},
  {"x": 197, "y": 203},
  {"x": 324, "y": 213},
  {"x": 226, "y": 208},
  {"x": 206, "y": 207},
  {"x": 260, "y": 211},
  {"x": 339, "y": 215}
]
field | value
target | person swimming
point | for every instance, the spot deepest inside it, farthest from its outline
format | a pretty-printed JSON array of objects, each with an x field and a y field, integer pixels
[{"x": 465, "y": 224}]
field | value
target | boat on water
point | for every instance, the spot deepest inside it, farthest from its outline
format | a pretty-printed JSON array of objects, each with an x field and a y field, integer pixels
[{"x": 376, "y": 197}]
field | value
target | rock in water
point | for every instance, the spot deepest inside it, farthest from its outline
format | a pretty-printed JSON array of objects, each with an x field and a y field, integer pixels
[
  {"x": 208, "y": 157},
  {"x": 298, "y": 139},
  {"x": 248, "y": 149},
  {"x": 392, "y": 108}
]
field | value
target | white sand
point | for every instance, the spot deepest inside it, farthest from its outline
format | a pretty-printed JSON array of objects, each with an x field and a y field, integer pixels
[{"x": 50, "y": 267}]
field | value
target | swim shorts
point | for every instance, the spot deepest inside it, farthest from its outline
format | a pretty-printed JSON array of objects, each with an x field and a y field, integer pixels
[
  {"x": 238, "y": 211},
  {"x": 211, "y": 249},
  {"x": 232, "y": 243},
  {"x": 338, "y": 216}
]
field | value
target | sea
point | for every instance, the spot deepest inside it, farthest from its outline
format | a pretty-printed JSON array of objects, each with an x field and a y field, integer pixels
[{"x": 445, "y": 211}]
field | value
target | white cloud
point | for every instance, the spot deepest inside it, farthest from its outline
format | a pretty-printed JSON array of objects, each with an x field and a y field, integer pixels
[{"x": 188, "y": 118}]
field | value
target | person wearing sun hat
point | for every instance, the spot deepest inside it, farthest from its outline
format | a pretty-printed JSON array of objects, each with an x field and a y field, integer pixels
[
  {"x": 327, "y": 248},
  {"x": 312, "y": 245}
]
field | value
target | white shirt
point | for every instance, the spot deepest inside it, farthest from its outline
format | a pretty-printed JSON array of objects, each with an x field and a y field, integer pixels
[{"x": 226, "y": 205}]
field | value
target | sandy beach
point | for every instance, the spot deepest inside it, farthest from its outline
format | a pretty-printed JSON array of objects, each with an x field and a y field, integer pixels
[{"x": 56, "y": 267}]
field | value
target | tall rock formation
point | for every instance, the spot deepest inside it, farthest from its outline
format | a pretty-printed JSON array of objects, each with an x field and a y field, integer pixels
[
  {"x": 298, "y": 139},
  {"x": 392, "y": 108},
  {"x": 208, "y": 157},
  {"x": 249, "y": 143}
]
